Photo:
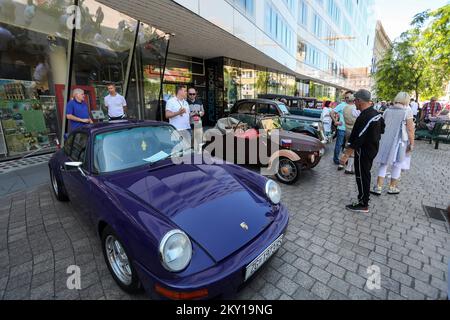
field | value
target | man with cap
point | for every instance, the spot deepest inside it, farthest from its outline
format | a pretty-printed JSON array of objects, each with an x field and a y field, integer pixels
[{"x": 364, "y": 142}]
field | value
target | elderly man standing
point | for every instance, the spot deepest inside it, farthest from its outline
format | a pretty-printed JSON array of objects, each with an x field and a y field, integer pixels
[
  {"x": 364, "y": 143},
  {"x": 77, "y": 111}
]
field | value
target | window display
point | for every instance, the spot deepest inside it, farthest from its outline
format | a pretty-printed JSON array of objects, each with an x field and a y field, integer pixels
[{"x": 29, "y": 122}]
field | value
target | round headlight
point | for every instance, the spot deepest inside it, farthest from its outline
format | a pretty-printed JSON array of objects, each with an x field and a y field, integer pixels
[
  {"x": 273, "y": 191},
  {"x": 175, "y": 250}
]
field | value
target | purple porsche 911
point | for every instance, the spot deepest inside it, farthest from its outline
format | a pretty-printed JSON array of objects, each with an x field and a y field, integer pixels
[{"x": 178, "y": 229}]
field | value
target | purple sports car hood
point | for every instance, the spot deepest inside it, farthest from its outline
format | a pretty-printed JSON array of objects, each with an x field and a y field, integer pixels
[{"x": 205, "y": 201}]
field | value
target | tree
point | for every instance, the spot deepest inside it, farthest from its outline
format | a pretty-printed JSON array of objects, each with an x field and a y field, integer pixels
[{"x": 419, "y": 61}]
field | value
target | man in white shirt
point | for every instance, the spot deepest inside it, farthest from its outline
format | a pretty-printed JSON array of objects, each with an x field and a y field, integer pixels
[
  {"x": 178, "y": 112},
  {"x": 415, "y": 108},
  {"x": 115, "y": 103}
]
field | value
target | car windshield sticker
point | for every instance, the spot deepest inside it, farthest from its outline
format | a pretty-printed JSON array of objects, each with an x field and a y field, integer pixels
[
  {"x": 144, "y": 146},
  {"x": 159, "y": 156}
]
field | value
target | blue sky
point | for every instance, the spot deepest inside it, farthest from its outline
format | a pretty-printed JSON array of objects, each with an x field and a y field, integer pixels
[{"x": 396, "y": 15}]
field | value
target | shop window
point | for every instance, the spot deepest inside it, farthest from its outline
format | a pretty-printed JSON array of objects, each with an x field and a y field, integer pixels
[
  {"x": 102, "y": 50},
  {"x": 33, "y": 62},
  {"x": 149, "y": 60},
  {"x": 232, "y": 81}
]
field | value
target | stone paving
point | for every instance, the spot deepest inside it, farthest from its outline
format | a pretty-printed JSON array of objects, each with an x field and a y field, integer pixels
[{"x": 326, "y": 252}]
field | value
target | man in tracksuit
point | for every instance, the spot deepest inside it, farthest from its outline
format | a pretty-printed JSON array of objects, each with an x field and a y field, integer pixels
[{"x": 364, "y": 143}]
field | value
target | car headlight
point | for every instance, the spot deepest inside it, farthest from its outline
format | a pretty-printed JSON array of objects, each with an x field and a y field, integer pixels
[
  {"x": 175, "y": 250},
  {"x": 273, "y": 191}
]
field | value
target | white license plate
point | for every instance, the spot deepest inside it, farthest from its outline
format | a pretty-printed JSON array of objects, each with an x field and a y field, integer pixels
[{"x": 263, "y": 257}]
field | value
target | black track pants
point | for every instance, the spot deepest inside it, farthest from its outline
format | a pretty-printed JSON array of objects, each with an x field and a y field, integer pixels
[{"x": 363, "y": 166}]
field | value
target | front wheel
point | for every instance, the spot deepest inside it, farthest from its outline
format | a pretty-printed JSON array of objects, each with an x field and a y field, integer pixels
[
  {"x": 119, "y": 262},
  {"x": 57, "y": 187},
  {"x": 288, "y": 171}
]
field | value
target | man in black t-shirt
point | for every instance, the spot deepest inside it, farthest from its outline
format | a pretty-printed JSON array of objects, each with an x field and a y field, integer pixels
[{"x": 364, "y": 143}]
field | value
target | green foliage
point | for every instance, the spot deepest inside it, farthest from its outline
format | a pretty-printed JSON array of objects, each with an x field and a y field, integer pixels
[{"x": 419, "y": 61}]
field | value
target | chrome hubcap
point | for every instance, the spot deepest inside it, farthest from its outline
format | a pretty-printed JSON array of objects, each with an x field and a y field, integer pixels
[
  {"x": 118, "y": 260},
  {"x": 54, "y": 183},
  {"x": 287, "y": 170}
]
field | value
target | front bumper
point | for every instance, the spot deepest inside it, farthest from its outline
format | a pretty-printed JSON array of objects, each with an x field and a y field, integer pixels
[{"x": 224, "y": 279}]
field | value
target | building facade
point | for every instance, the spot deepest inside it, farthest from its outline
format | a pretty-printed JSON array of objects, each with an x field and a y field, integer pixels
[{"x": 226, "y": 49}]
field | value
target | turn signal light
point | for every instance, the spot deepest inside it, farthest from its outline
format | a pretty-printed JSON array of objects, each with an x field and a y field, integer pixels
[{"x": 174, "y": 295}]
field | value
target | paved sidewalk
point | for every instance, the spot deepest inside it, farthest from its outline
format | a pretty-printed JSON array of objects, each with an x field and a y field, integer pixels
[{"x": 326, "y": 252}]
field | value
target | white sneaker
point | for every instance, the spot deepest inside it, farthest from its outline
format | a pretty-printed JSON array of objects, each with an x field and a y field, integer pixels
[{"x": 393, "y": 190}]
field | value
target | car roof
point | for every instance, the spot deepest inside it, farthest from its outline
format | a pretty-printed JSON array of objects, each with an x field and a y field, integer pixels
[
  {"x": 119, "y": 124},
  {"x": 259, "y": 100},
  {"x": 280, "y": 96}
]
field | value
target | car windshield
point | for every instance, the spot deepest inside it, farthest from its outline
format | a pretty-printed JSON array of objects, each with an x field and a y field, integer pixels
[
  {"x": 284, "y": 109},
  {"x": 290, "y": 124},
  {"x": 269, "y": 124},
  {"x": 133, "y": 147}
]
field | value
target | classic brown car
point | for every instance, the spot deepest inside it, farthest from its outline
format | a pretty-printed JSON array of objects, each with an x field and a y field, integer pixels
[{"x": 291, "y": 152}]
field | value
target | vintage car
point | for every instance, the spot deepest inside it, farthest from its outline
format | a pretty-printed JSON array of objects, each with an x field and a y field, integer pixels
[
  {"x": 300, "y": 106},
  {"x": 287, "y": 153},
  {"x": 179, "y": 229},
  {"x": 298, "y": 124}
]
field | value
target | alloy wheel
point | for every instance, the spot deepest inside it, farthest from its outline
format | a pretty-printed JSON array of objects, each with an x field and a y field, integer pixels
[{"x": 118, "y": 260}]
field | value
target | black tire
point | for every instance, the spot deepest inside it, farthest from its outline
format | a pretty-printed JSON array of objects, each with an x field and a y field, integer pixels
[
  {"x": 133, "y": 286},
  {"x": 58, "y": 187},
  {"x": 294, "y": 174}
]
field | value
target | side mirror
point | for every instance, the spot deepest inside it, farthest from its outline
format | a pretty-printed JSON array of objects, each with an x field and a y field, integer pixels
[{"x": 72, "y": 166}]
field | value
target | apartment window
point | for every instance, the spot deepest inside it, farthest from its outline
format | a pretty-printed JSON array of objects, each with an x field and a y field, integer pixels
[
  {"x": 278, "y": 29},
  {"x": 290, "y": 4},
  {"x": 303, "y": 13},
  {"x": 334, "y": 12},
  {"x": 317, "y": 26},
  {"x": 248, "y": 6}
]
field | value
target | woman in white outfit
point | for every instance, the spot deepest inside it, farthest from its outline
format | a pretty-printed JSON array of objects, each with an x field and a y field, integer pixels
[
  {"x": 326, "y": 120},
  {"x": 397, "y": 143}
]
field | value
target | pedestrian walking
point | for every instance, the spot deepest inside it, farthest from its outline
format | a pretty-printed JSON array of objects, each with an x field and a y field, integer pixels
[
  {"x": 196, "y": 113},
  {"x": 338, "y": 115},
  {"x": 115, "y": 103},
  {"x": 178, "y": 112},
  {"x": 396, "y": 145},
  {"x": 364, "y": 142}
]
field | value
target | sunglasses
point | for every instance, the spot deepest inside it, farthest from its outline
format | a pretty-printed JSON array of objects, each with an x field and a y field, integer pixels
[{"x": 192, "y": 94}]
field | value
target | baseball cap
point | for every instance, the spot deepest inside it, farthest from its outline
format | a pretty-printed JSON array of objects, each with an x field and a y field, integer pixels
[{"x": 363, "y": 95}]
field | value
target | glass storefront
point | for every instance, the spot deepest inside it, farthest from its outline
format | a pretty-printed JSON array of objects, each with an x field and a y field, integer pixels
[
  {"x": 33, "y": 63},
  {"x": 37, "y": 41},
  {"x": 230, "y": 80}
]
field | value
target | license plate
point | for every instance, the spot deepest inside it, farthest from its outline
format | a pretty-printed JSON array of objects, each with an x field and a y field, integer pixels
[{"x": 263, "y": 257}]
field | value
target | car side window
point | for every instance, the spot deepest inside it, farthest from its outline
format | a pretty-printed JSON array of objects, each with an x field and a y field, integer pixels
[
  {"x": 68, "y": 145},
  {"x": 78, "y": 152},
  {"x": 267, "y": 109},
  {"x": 247, "y": 107}
]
